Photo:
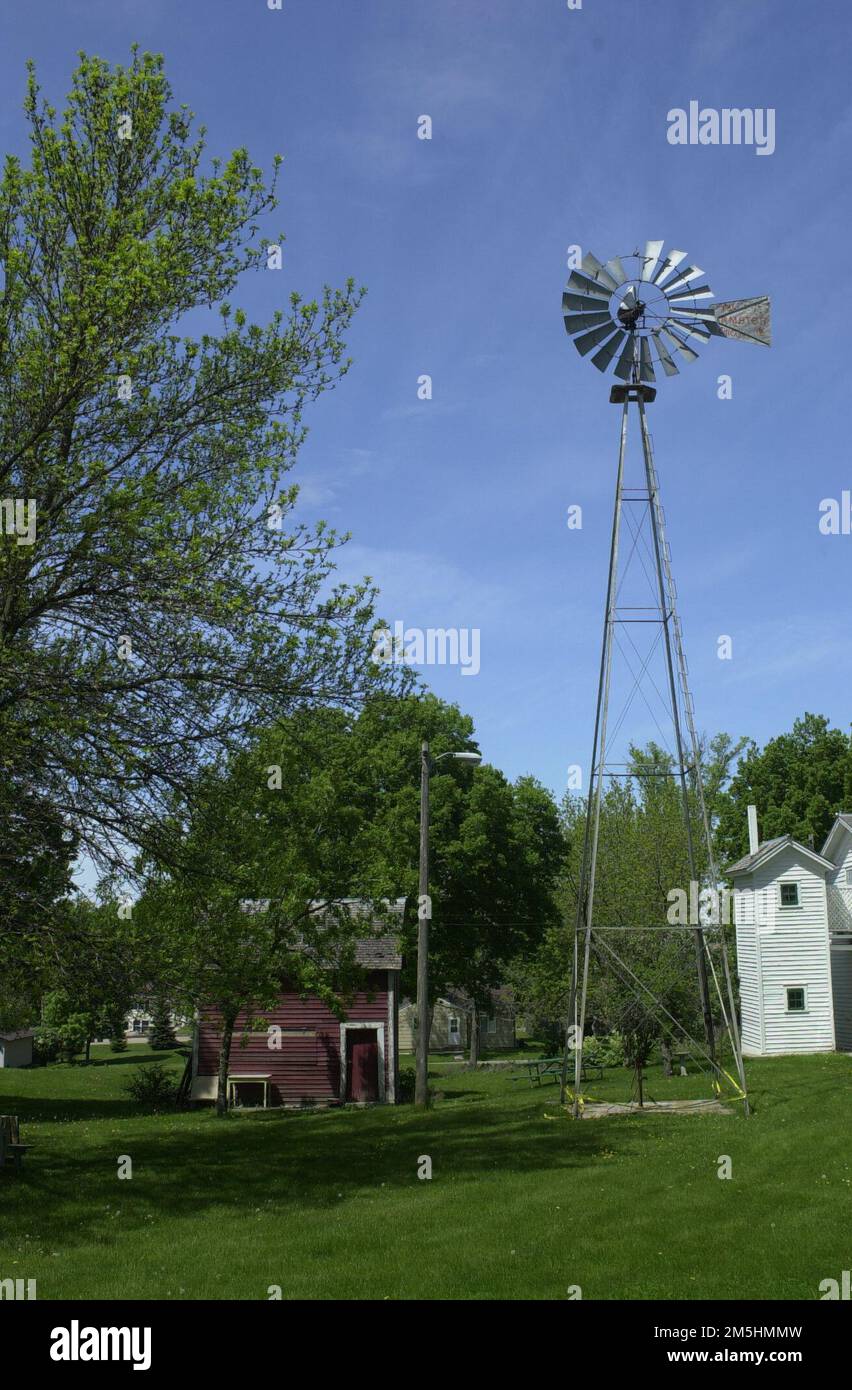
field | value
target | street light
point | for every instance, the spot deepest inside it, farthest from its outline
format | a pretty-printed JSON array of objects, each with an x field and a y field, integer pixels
[{"x": 424, "y": 912}]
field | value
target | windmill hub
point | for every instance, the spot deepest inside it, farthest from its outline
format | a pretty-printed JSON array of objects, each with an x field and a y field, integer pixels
[{"x": 629, "y": 315}]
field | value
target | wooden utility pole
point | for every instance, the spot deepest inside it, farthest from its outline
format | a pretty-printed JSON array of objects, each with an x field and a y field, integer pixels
[{"x": 421, "y": 1087}]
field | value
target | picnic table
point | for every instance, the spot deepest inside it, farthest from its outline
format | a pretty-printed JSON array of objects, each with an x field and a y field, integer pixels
[{"x": 537, "y": 1067}]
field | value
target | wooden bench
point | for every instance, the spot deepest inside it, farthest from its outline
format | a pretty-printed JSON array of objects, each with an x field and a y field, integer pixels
[
  {"x": 237, "y": 1078},
  {"x": 10, "y": 1142}
]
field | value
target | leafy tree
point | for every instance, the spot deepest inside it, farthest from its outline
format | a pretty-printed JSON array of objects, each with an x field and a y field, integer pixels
[
  {"x": 325, "y": 806},
  {"x": 35, "y": 878},
  {"x": 168, "y": 604},
  {"x": 93, "y": 972},
  {"x": 642, "y": 856},
  {"x": 72, "y": 1028},
  {"x": 275, "y": 833},
  {"x": 495, "y": 847},
  {"x": 799, "y": 782}
]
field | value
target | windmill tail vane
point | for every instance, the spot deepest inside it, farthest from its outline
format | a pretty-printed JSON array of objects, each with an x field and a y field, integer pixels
[{"x": 649, "y": 309}]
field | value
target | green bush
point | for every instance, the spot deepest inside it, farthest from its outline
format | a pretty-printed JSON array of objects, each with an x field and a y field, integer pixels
[
  {"x": 118, "y": 1042},
  {"x": 45, "y": 1046},
  {"x": 605, "y": 1051},
  {"x": 407, "y": 1080},
  {"x": 152, "y": 1086},
  {"x": 73, "y": 1035}
]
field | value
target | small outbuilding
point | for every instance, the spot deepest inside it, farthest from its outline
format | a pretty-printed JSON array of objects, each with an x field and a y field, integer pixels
[
  {"x": 16, "y": 1048},
  {"x": 304, "y": 1055},
  {"x": 793, "y": 916}
]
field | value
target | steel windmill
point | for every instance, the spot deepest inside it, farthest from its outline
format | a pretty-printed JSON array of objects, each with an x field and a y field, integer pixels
[{"x": 636, "y": 313}]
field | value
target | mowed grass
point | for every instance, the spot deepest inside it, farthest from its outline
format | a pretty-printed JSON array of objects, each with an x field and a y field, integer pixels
[{"x": 523, "y": 1202}]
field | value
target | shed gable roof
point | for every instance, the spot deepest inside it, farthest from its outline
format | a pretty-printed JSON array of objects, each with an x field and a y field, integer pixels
[
  {"x": 379, "y": 951},
  {"x": 770, "y": 849},
  {"x": 842, "y": 822}
]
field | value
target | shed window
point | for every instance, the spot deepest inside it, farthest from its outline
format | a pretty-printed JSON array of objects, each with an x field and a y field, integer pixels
[
  {"x": 489, "y": 1022},
  {"x": 454, "y": 1025},
  {"x": 789, "y": 895},
  {"x": 796, "y": 1000},
  {"x": 849, "y": 878}
]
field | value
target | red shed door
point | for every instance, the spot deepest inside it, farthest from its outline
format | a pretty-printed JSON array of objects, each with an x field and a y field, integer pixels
[{"x": 362, "y": 1064}]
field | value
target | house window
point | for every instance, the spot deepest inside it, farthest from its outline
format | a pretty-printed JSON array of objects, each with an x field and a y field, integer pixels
[
  {"x": 849, "y": 878},
  {"x": 454, "y": 1025},
  {"x": 789, "y": 895},
  {"x": 489, "y": 1023},
  {"x": 796, "y": 1002}
]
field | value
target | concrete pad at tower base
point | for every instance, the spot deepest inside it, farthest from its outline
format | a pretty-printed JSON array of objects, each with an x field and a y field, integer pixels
[{"x": 597, "y": 1110}]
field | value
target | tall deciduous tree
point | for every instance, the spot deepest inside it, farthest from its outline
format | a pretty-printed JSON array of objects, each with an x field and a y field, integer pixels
[
  {"x": 168, "y": 602},
  {"x": 496, "y": 847},
  {"x": 642, "y": 857},
  {"x": 799, "y": 782},
  {"x": 325, "y": 806}
]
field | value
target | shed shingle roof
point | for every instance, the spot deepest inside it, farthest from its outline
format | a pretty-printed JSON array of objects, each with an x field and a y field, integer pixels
[
  {"x": 378, "y": 953},
  {"x": 771, "y": 848}
]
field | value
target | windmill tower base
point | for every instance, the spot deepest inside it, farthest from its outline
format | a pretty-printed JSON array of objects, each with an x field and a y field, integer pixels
[{"x": 686, "y": 770}]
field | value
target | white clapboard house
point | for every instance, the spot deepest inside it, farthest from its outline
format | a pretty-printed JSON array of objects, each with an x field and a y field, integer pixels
[{"x": 793, "y": 916}]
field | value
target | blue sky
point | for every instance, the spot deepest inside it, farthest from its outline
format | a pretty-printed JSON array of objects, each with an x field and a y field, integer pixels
[{"x": 549, "y": 129}]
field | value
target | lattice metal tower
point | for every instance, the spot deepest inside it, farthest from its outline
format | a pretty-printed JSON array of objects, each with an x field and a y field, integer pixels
[{"x": 637, "y": 311}]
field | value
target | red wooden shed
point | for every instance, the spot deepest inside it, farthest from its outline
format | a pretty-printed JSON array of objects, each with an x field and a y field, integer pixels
[{"x": 305, "y": 1055}]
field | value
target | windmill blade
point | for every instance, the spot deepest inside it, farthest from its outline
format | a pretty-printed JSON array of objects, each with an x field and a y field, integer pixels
[
  {"x": 745, "y": 319},
  {"x": 598, "y": 271},
  {"x": 692, "y": 330},
  {"x": 603, "y": 358},
  {"x": 575, "y": 323},
  {"x": 682, "y": 279},
  {"x": 706, "y": 317},
  {"x": 650, "y": 258},
  {"x": 667, "y": 364},
  {"x": 587, "y": 341},
  {"x": 699, "y": 292},
  {"x": 683, "y": 348},
  {"x": 646, "y": 366},
  {"x": 624, "y": 365},
  {"x": 669, "y": 263},
  {"x": 582, "y": 303},
  {"x": 629, "y": 297},
  {"x": 617, "y": 271},
  {"x": 587, "y": 285}
]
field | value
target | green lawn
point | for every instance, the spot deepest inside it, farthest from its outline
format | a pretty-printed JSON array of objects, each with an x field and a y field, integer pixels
[{"x": 523, "y": 1202}]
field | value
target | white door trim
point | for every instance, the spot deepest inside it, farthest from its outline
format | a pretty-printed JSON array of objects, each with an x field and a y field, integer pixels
[{"x": 378, "y": 1028}]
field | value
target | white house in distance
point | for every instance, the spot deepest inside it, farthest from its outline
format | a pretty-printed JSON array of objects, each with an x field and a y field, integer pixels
[
  {"x": 16, "y": 1048},
  {"x": 793, "y": 916}
]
